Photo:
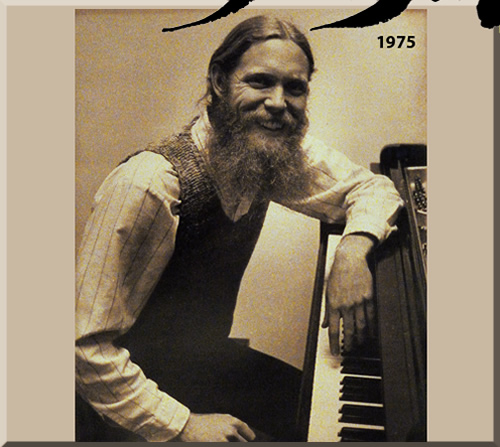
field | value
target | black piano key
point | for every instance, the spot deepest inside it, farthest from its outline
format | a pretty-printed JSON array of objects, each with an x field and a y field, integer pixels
[
  {"x": 361, "y": 382},
  {"x": 360, "y": 389},
  {"x": 368, "y": 349},
  {"x": 359, "y": 396},
  {"x": 361, "y": 414},
  {"x": 366, "y": 367},
  {"x": 351, "y": 434}
]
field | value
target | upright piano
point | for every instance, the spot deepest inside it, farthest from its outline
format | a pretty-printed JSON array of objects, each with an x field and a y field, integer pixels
[{"x": 377, "y": 391}]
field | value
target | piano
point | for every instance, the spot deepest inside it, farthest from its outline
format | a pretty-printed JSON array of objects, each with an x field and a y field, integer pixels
[{"x": 378, "y": 391}]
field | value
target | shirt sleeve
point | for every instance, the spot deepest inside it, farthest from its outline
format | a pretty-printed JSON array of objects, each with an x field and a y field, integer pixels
[
  {"x": 126, "y": 245},
  {"x": 342, "y": 191}
]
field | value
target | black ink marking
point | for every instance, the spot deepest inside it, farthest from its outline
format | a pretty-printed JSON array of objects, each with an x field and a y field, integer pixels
[
  {"x": 488, "y": 14},
  {"x": 230, "y": 7},
  {"x": 382, "y": 11}
]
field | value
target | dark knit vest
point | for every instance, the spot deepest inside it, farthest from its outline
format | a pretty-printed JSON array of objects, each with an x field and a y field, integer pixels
[{"x": 193, "y": 304}]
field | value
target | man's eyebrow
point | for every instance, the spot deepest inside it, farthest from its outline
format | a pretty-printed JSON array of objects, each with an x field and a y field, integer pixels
[
  {"x": 299, "y": 80},
  {"x": 259, "y": 71},
  {"x": 259, "y": 74},
  {"x": 267, "y": 74}
]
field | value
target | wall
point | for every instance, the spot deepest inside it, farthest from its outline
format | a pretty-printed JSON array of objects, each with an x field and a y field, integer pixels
[{"x": 135, "y": 84}]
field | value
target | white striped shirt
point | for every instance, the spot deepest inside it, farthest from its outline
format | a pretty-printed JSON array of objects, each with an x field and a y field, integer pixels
[{"x": 128, "y": 242}]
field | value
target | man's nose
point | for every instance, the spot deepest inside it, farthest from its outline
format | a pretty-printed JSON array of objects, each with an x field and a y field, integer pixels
[{"x": 275, "y": 101}]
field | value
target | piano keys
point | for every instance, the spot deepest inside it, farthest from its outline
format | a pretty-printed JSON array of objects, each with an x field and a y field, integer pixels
[
  {"x": 377, "y": 392},
  {"x": 347, "y": 401}
]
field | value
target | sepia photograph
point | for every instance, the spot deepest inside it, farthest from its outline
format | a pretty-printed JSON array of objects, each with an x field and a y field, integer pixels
[
  {"x": 251, "y": 222},
  {"x": 230, "y": 215}
]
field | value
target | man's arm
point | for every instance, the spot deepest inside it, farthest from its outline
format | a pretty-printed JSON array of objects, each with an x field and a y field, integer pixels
[
  {"x": 349, "y": 292},
  {"x": 127, "y": 243},
  {"x": 126, "y": 246},
  {"x": 369, "y": 204}
]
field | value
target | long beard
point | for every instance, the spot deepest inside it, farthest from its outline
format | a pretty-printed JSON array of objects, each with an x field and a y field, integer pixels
[{"x": 249, "y": 162}]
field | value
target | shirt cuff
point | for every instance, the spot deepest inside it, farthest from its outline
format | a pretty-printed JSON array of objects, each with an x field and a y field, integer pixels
[
  {"x": 380, "y": 231},
  {"x": 168, "y": 423}
]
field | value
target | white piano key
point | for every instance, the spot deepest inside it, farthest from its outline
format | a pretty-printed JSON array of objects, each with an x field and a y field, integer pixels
[{"x": 324, "y": 425}]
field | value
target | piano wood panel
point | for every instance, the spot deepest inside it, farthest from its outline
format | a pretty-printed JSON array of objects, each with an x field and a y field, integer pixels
[{"x": 400, "y": 297}]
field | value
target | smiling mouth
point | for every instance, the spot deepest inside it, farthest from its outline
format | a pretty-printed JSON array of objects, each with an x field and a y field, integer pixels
[{"x": 272, "y": 125}]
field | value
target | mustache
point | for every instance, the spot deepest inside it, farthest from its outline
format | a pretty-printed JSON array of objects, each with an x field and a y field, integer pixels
[
  {"x": 235, "y": 121},
  {"x": 285, "y": 120}
]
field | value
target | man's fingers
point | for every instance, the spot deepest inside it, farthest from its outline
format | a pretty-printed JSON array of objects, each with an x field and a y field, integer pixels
[
  {"x": 370, "y": 317},
  {"x": 215, "y": 427},
  {"x": 348, "y": 318},
  {"x": 334, "y": 331},
  {"x": 236, "y": 437},
  {"x": 240, "y": 432},
  {"x": 246, "y": 432},
  {"x": 360, "y": 322}
]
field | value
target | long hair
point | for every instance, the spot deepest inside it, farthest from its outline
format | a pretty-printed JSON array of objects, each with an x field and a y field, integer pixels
[{"x": 247, "y": 33}]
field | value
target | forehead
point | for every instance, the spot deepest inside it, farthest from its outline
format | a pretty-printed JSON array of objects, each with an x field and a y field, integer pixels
[{"x": 274, "y": 56}]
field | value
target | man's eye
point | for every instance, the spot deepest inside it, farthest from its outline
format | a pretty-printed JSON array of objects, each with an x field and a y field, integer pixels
[
  {"x": 257, "y": 85},
  {"x": 296, "y": 88},
  {"x": 260, "y": 83}
]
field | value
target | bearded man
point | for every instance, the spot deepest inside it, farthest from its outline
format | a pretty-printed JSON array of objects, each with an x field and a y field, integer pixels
[{"x": 169, "y": 239}]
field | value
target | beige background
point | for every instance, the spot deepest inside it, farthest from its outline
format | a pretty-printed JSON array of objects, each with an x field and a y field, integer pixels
[{"x": 41, "y": 224}]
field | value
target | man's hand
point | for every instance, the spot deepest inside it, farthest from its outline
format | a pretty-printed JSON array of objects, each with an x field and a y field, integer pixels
[
  {"x": 349, "y": 292},
  {"x": 215, "y": 428}
]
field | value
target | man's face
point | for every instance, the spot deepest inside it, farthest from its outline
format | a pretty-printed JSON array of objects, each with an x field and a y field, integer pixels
[
  {"x": 260, "y": 121},
  {"x": 270, "y": 86}
]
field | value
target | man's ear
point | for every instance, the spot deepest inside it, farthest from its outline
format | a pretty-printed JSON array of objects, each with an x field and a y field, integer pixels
[{"x": 218, "y": 80}]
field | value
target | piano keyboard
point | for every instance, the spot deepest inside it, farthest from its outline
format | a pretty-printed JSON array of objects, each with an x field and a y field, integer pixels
[
  {"x": 340, "y": 399},
  {"x": 347, "y": 391}
]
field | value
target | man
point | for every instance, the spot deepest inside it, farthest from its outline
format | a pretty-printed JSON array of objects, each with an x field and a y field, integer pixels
[{"x": 171, "y": 234}]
